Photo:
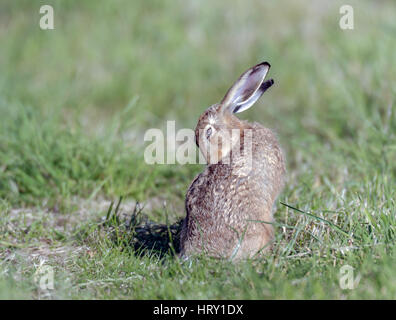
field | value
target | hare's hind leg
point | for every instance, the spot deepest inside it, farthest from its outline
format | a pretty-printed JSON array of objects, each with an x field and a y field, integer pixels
[{"x": 252, "y": 245}]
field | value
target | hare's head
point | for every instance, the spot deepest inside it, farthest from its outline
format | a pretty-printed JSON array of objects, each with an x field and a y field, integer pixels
[{"x": 218, "y": 130}]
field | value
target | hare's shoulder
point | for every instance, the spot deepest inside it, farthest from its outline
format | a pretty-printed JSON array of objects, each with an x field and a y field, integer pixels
[
  {"x": 262, "y": 133},
  {"x": 267, "y": 149},
  {"x": 205, "y": 183},
  {"x": 263, "y": 138},
  {"x": 210, "y": 176}
]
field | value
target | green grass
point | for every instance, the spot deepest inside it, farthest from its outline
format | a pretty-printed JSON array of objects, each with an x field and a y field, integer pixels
[{"x": 75, "y": 103}]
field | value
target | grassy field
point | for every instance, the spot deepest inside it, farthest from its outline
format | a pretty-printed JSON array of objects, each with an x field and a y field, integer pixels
[{"x": 76, "y": 101}]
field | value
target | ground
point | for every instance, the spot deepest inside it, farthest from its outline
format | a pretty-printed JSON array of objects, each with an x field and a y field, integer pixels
[{"x": 76, "y": 101}]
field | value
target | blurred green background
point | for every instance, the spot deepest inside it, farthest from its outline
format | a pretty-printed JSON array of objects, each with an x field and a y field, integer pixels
[{"x": 75, "y": 103}]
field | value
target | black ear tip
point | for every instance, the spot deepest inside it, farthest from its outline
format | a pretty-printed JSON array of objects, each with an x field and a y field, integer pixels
[
  {"x": 265, "y": 63},
  {"x": 266, "y": 84},
  {"x": 260, "y": 67}
]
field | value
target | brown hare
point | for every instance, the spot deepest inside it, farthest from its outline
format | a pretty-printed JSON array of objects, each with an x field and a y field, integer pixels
[{"x": 229, "y": 205}]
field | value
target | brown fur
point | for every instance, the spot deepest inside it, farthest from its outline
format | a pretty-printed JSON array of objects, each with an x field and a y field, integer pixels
[{"x": 227, "y": 205}]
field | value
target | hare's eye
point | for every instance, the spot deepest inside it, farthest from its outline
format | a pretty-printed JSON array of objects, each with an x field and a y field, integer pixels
[{"x": 208, "y": 132}]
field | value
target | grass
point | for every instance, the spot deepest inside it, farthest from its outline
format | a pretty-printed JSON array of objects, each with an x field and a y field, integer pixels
[{"x": 75, "y": 103}]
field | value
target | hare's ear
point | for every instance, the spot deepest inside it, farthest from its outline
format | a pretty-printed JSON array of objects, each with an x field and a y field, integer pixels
[{"x": 247, "y": 89}]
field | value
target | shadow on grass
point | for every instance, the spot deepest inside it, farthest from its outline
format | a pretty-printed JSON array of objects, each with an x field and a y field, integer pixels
[{"x": 143, "y": 236}]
